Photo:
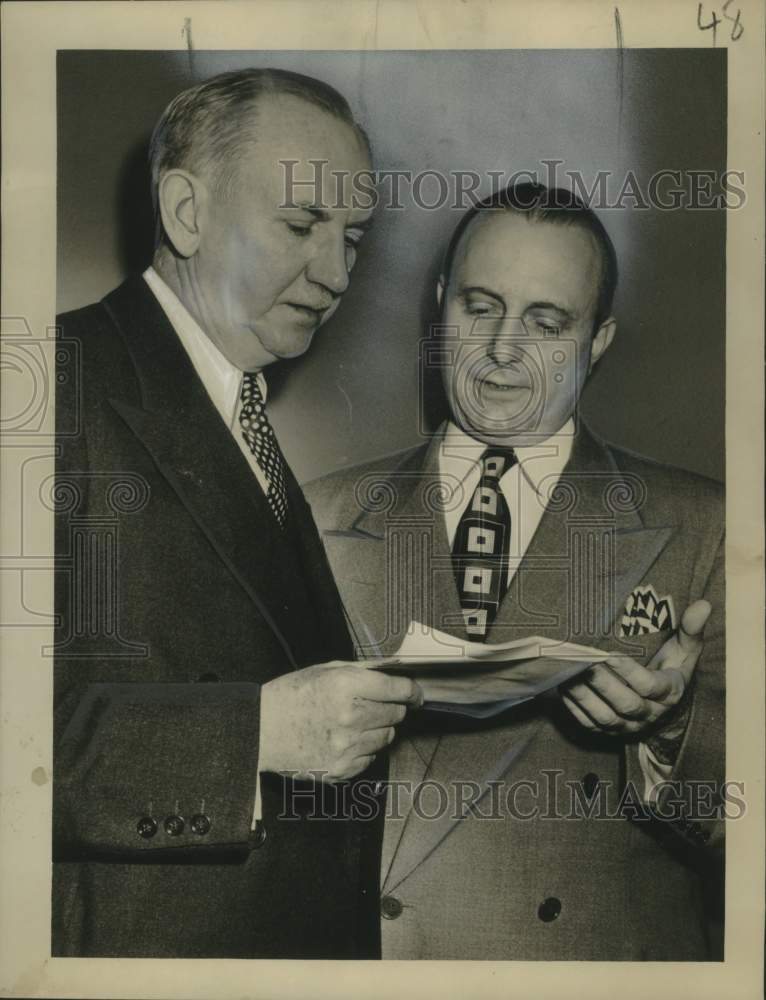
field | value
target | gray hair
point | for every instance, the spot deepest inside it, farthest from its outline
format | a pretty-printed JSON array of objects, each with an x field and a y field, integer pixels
[{"x": 204, "y": 128}]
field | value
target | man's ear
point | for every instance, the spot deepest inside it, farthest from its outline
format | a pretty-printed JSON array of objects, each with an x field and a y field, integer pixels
[
  {"x": 183, "y": 200},
  {"x": 440, "y": 290},
  {"x": 602, "y": 340}
]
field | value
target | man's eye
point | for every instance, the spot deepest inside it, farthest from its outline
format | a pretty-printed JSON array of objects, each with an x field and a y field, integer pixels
[
  {"x": 299, "y": 229},
  {"x": 547, "y": 328},
  {"x": 478, "y": 308}
]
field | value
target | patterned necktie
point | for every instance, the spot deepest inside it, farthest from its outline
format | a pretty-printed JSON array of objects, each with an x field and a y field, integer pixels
[
  {"x": 262, "y": 442},
  {"x": 481, "y": 546}
]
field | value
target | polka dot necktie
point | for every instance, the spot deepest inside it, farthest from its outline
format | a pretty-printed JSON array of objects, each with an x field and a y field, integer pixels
[
  {"x": 481, "y": 546},
  {"x": 262, "y": 442}
]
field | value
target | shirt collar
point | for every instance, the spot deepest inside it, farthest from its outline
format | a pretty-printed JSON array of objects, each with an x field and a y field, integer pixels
[
  {"x": 540, "y": 463},
  {"x": 222, "y": 380}
]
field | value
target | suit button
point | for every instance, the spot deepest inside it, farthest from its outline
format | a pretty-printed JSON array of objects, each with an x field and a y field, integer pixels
[
  {"x": 174, "y": 825},
  {"x": 590, "y": 783},
  {"x": 391, "y": 907},
  {"x": 208, "y": 678},
  {"x": 147, "y": 827},
  {"x": 200, "y": 824},
  {"x": 549, "y": 909},
  {"x": 258, "y": 835}
]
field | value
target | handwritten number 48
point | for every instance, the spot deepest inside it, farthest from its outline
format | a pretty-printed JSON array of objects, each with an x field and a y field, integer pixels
[{"x": 737, "y": 28}]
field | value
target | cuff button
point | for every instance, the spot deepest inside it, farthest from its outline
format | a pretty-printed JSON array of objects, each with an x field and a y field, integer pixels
[
  {"x": 200, "y": 824},
  {"x": 174, "y": 825},
  {"x": 258, "y": 835},
  {"x": 146, "y": 827}
]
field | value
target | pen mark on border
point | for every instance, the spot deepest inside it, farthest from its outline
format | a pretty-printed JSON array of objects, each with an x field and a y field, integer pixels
[
  {"x": 187, "y": 31},
  {"x": 620, "y": 74}
]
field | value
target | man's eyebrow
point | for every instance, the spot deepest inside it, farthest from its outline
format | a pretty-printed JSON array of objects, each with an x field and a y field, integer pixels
[
  {"x": 465, "y": 290},
  {"x": 552, "y": 307},
  {"x": 322, "y": 215}
]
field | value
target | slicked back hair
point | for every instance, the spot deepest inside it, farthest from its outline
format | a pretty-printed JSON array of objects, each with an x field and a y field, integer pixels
[
  {"x": 204, "y": 128},
  {"x": 559, "y": 207}
]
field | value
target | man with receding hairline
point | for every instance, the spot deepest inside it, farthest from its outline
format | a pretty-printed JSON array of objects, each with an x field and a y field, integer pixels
[
  {"x": 572, "y": 826},
  {"x": 204, "y": 719}
]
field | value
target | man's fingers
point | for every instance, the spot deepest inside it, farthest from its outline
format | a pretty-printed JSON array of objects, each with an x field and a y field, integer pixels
[
  {"x": 373, "y": 741},
  {"x": 616, "y": 693},
  {"x": 692, "y": 625},
  {"x": 594, "y": 706},
  {"x": 402, "y": 690},
  {"x": 640, "y": 678},
  {"x": 370, "y": 715},
  {"x": 652, "y": 685},
  {"x": 577, "y": 712},
  {"x": 359, "y": 764}
]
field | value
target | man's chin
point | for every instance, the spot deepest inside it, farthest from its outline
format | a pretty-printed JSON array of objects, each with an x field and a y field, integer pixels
[
  {"x": 297, "y": 345},
  {"x": 289, "y": 343},
  {"x": 499, "y": 428},
  {"x": 508, "y": 435}
]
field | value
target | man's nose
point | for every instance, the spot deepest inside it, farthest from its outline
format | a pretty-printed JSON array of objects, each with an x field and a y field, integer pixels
[
  {"x": 507, "y": 342},
  {"x": 328, "y": 266}
]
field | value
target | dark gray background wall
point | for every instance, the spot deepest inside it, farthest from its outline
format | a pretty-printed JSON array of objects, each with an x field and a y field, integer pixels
[{"x": 659, "y": 390}]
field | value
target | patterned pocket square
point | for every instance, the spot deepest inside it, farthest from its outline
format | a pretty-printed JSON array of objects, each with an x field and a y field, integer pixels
[{"x": 645, "y": 612}]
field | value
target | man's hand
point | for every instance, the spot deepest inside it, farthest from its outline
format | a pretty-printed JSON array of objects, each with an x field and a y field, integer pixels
[
  {"x": 622, "y": 696},
  {"x": 331, "y": 718}
]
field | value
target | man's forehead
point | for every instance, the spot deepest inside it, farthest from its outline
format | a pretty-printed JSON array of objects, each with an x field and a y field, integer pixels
[
  {"x": 293, "y": 126},
  {"x": 507, "y": 245}
]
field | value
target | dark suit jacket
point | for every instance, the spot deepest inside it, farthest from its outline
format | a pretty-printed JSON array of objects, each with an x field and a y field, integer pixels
[
  {"x": 521, "y": 881},
  {"x": 178, "y": 597}
]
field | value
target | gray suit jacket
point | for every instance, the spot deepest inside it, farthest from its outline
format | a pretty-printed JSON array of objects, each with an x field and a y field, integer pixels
[{"x": 527, "y": 872}]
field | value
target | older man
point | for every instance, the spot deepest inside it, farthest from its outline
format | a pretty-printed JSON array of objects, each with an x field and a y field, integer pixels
[
  {"x": 194, "y": 702},
  {"x": 569, "y": 827}
]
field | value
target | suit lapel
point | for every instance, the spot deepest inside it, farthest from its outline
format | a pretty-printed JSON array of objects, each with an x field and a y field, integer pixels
[
  {"x": 579, "y": 568},
  {"x": 590, "y": 549},
  {"x": 479, "y": 757},
  {"x": 400, "y": 538},
  {"x": 317, "y": 575},
  {"x": 195, "y": 452},
  {"x": 409, "y": 765}
]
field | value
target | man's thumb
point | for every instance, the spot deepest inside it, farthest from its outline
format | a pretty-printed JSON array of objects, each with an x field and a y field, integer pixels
[{"x": 693, "y": 622}]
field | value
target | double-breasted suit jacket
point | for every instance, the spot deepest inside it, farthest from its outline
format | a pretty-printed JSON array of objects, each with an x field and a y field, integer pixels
[
  {"x": 525, "y": 872},
  {"x": 178, "y": 596}
]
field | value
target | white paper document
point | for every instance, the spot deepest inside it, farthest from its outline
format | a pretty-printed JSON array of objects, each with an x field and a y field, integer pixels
[
  {"x": 428, "y": 648},
  {"x": 478, "y": 679}
]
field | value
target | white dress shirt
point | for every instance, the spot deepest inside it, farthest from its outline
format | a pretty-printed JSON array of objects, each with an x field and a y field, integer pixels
[
  {"x": 222, "y": 380},
  {"x": 526, "y": 486}
]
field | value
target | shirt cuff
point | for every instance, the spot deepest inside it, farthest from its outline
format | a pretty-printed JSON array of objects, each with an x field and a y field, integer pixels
[
  {"x": 653, "y": 771},
  {"x": 257, "y": 813}
]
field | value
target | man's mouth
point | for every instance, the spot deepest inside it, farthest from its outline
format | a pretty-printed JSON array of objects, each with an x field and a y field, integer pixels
[
  {"x": 500, "y": 384},
  {"x": 310, "y": 312}
]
